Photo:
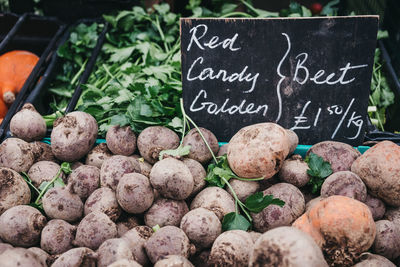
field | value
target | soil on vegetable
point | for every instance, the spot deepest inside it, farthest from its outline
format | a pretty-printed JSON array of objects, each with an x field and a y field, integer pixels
[{"x": 272, "y": 256}]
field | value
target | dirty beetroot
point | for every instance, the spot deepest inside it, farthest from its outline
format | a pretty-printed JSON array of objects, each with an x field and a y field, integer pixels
[{"x": 160, "y": 198}]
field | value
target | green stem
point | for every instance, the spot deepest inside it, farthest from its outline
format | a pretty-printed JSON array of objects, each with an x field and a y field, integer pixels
[
  {"x": 237, "y": 200},
  {"x": 47, "y": 187},
  {"x": 29, "y": 182},
  {"x": 198, "y": 130},
  {"x": 78, "y": 74},
  {"x": 183, "y": 128}
]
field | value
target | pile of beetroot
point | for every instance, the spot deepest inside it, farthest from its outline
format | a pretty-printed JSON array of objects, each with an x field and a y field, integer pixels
[{"x": 158, "y": 199}]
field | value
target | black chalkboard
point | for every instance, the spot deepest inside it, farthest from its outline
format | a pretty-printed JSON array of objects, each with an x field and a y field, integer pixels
[{"x": 309, "y": 74}]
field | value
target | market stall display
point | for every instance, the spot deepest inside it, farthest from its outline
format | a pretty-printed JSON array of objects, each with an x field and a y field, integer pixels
[{"x": 127, "y": 177}]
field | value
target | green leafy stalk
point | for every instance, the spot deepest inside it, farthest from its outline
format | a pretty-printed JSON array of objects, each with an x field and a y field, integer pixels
[
  {"x": 197, "y": 128},
  {"x": 318, "y": 170},
  {"x": 65, "y": 168},
  {"x": 29, "y": 182}
]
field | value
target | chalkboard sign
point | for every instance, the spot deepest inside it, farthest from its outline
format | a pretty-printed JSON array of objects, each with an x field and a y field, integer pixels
[{"x": 311, "y": 75}]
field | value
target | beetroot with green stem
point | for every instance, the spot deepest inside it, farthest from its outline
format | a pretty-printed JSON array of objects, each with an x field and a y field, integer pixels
[{"x": 154, "y": 139}]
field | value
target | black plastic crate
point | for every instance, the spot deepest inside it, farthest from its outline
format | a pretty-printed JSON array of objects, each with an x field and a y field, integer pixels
[
  {"x": 35, "y": 34},
  {"x": 40, "y": 97}
]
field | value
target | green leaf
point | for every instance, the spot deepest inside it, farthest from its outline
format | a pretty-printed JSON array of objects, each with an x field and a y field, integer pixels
[
  {"x": 382, "y": 34},
  {"x": 121, "y": 54},
  {"x": 216, "y": 173},
  {"x": 257, "y": 202},
  {"x": 306, "y": 12},
  {"x": 28, "y": 180},
  {"x": 235, "y": 221},
  {"x": 66, "y": 167},
  {"x": 119, "y": 119},
  {"x": 318, "y": 170},
  {"x": 179, "y": 152},
  {"x": 330, "y": 9},
  {"x": 176, "y": 123}
]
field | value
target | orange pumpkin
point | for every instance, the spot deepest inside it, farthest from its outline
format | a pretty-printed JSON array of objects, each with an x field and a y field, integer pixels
[
  {"x": 15, "y": 67},
  {"x": 343, "y": 227}
]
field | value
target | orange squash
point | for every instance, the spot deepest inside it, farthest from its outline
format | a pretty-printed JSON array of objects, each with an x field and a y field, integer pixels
[
  {"x": 15, "y": 67},
  {"x": 343, "y": 227}
]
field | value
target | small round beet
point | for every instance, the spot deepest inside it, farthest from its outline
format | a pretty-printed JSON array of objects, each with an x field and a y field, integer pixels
[
  {"x": 273, "y": 215},
  {"x": 103, "y": 200},
  {"x": 215, "y": 199},
  {"x": 28, "y": 124},
  {"x": 114, "y": 168},
  {"x": 126, "y": 222},
  {"x": 231, "y": 248},
  {"x": 94, "y": 229},
  {"x": 16, "y": 154},
  {"x": 21, "y": 226},
  {"x": 57, "y": 237},
  {"x": 13, "y": 189},
  {"x": 73, "y": 136},
  {"x": 172, "y": 179},
  {"x": 198, "y": 173},
  {"x": 112, "y": 250},
  {"x": 134, "y": 193},
  {"x": 42, "y": 152},
  {"x": 198, "y": 149},
  {"x": 376, "y": 206},
  {"x": 173, "y": 260},
  {"x": 84, "y": 180},
  {"x": 168, "y": 240},
  {"x": 20, "y": 257},
  {"x": 145, "y": 167},
  {"x": 387, "y": 240},
  {"x": 243, "y": 189},
  {"x": 294, "y": 171},
  {"x": 137, "y": 238},
  {"x": 152, "y": 140},
  {"x": 165, "y": 212},
  {"x": 98, "y": 155},
  {"x": 121, "y": 140},
  {"x": 344, "y": 183},
  {"x": 60, "y": 203},
  {"x": 201, "y": 226},
  {"x": 77, "y": 257}
]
